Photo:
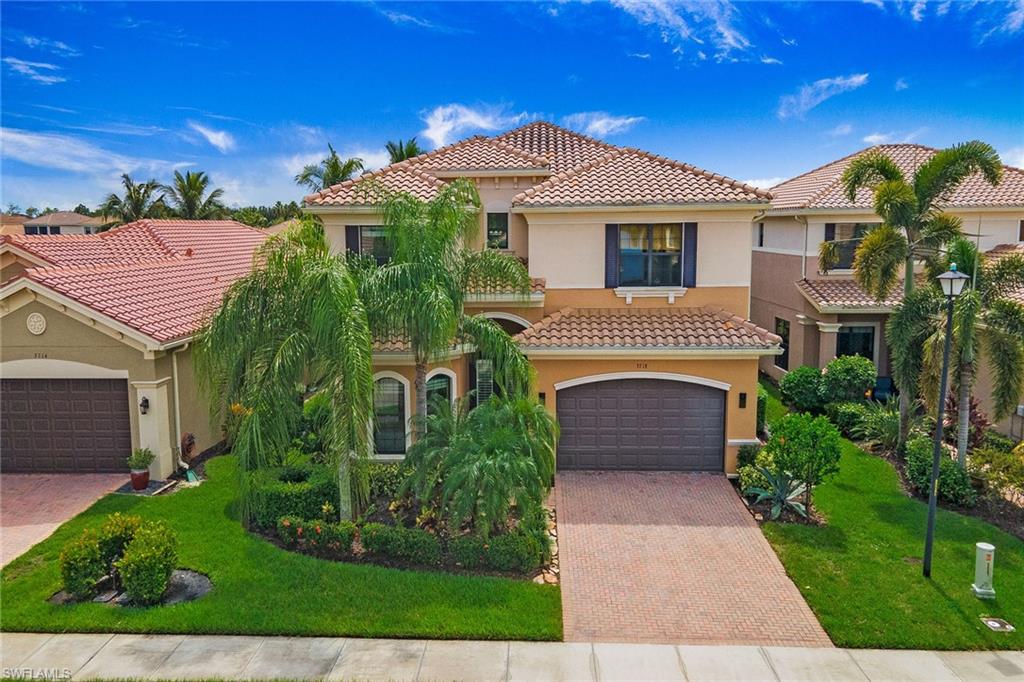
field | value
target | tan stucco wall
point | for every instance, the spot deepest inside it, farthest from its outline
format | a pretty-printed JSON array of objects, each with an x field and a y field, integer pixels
[
  {"x": 1012, "y": 425},
  {"x": 733, "y": 299},
  {"x": 741, "y": 374}
]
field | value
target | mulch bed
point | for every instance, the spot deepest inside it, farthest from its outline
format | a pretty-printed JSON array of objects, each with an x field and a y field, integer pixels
[
  {"x": 184, "y": 585},
  {"x": 762, "y": 512}
]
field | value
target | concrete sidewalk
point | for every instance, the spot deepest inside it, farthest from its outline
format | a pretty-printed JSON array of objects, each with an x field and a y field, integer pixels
[{"x": 179, "y": 657}]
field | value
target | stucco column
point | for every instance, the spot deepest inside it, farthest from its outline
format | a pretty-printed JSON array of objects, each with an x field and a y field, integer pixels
[
  {"x": 827, "y": 342},
  {"x": 155, "y": 424}
]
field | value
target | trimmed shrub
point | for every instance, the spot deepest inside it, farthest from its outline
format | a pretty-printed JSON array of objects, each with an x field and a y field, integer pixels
[
  {"x": 848, "y": 377},
  {"x": 747, "y": 455},
  {"x": 954, "y": 483},
  {"x": 148, "y": 562},
  {"x": 274, "y": 498},
  {"x": 534, "y": 522},
  {"x": 513, "y": 552},
  {"x": 762, "y": 409},
  {"x": 801, "y": 388},
  {"x": 288, "y": 528},
  {"x": 380, "y": 540},
  {"x": 1002, "y": 470},
  {"x": 386, "y": 479},
  {"x": 337, "y": 538},
  {"x": 115, "y": 534},
  {"x": 81, "y": 565},
  {"x": 847, "y": 415},
  {"x": 468, "y": 551},
  {"x": 993, "y": 440},
  {"x": 419, "y": 546},
  {"x": 806, "y": 448}
]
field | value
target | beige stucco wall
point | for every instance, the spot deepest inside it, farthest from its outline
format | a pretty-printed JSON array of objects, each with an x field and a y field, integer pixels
[{"x": 1012, "y": 425}]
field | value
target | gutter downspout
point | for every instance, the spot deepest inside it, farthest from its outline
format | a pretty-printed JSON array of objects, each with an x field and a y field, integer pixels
[
  {"x": 803, "y": 256},
  {"x": 758, "y": 217},
  {"x": 177, "y": 395}
]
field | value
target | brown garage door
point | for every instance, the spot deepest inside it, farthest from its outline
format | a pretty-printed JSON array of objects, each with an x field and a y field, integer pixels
[
  {"x": 64, "y": 425},
  {"x": 641, "y": 424}
]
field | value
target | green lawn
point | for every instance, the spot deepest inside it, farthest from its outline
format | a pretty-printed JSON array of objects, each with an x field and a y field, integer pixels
[
  {"x": 861, "y": 573},
  {"x": 260, "y": 589}
]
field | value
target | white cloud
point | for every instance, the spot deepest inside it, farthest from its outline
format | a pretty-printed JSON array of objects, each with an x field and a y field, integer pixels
[
  {"x": 221, "y": 139},
  {"x": 893, "y": 136},
  {"x": 1013, "y": 157},
  {"x": 764, "y": 183},
  {"x": 639, "y": 55},
  {"x": 879, "y": 138},
  {"x": 789, "y": 41},
  {"x": 810, "y": 96},
  {"x": 943, "y": 8},
  {"x": 600, "y": 123},
  {"x": 118, "y": 129},
  {"x": 49, "y": 107},
  {"x": 372, "y": 158},
  {"x": 770, "y": 60},
  {"x": 448, "y": 121},
  {"x": 40, "y": 72},
  {"x": 56, "y": 47},
  {"x": 877, "y": 3},
  {"x": 70, "y": 153},
  {"x": 681, "y": 22},
  {"x": 405, "y": 19},
  {"x": 901, "y": 84},
  {"x": 841, "y": 130},
  {"x": 917, "y": 10}
]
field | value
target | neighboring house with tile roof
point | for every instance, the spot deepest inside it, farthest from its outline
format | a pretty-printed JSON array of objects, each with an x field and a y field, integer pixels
[
  {"x": 12, "y": 223},
  {"x": 822, "y": 315},
  {"x": 64, "y": 222},
  {"x": 98, "y": 328},
  {"x": 637, "y": 318}
]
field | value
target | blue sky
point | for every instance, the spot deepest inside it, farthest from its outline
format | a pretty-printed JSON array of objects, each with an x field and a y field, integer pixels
[{"x": 249, "y": 92}]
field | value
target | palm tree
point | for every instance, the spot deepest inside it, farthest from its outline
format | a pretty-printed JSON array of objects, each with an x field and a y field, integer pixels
[
  {"x": 140, "y": 200},
  {"x": 913, "y": 227},
  {"x": 330, "y": 171},
  {"x": 296, "y": 319},
  {"x": 420, "y": 293},
  {"x": 983, "y": 305},
  {"x": 400, "y": 151},
  {"x": 186, "y": 195}
]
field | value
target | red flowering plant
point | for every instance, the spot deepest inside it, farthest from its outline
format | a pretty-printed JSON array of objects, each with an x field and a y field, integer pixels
[{"x": 289, "y": 530}]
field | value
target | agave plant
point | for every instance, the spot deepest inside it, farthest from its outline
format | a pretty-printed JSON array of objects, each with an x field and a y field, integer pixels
[{"x": 783, "y": 490}]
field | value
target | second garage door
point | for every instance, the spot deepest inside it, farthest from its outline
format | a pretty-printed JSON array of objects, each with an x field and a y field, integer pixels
[
  {"x": 641, "y": 424},
  {"x": 64, "y": 425}
]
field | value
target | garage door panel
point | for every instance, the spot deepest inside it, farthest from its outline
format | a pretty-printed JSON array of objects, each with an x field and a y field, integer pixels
[
  {"x": 645, "y": 424},
  {"x": 64, "y": 425}
]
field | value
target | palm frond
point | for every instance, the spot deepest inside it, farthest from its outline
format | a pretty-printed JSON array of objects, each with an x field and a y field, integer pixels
[
  {"x": 879, "y": 260},
  {"x": 912, "y": 321},
  {"x": 937, "y": 177},
  {"x": 868, "y": 170}
]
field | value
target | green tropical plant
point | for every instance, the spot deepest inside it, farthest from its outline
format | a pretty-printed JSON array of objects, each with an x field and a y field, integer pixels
[
  {"x": 801, "y": 388},
  {"x": 848, "y": 377},
  {"x": 330, "y": 171},
  {"x": 140, "y": 200},
  {"x": 419, "y": 294},
  {"x": 783, "y": 490},
  {"x": 250, "y": 216},
  {"x": 400, "y": 151},
  {"x": 988, "y": 326},
  {"x": 913, "y": 227},
  {"x": 297, "y": 317},
  {"x": 880, "y": 425},
  {"x": 805, "y": 447},
  {"x": 188, "y": 197}
]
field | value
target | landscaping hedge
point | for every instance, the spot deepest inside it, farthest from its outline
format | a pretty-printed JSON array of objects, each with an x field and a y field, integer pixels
[
  {"x": 81, "y": 565},
  {"x": 274, "y": 498},
  {"x": 801, "y": 388},
  {"x": 848, "y": 377},
  {"x": 847, "y": 415},
  {"x": 148, "y": 561},
  {"x": 954, "y": 483}
]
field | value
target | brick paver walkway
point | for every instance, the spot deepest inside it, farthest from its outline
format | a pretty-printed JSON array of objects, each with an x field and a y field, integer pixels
[
  {"x": 33, "y": 505},
  {"x": 670, "y": 557}
]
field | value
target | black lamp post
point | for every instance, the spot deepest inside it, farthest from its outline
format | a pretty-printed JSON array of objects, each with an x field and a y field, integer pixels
[{"x": 952, "y": 284}]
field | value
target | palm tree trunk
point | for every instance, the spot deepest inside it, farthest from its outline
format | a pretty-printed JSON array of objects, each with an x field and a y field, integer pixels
[
  {"x": 906, "y": 395},
  {"x": 421, "y": 399},
  {"x": 964, "y": 404},
  {"x": 345, "y": 487}
]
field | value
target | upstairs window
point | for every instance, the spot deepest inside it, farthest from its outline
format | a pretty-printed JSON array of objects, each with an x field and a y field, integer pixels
[
  {"x": 848, "y": 237},
  {"x": 497, "y": 230},
  {"x": 1020, "y": 231},
  {"x": 373, "y": 241},
  {"x": 760, "y": 234},
  {"x": 651, "y": 255},
  {"x": 856, "y": 340},
  {"x": 782, "y": 329}
]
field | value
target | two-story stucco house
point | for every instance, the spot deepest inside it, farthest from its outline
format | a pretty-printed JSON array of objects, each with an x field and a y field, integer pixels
[
  {"x": 637, "y": 322},
  {"x": 822, "y": 315}
]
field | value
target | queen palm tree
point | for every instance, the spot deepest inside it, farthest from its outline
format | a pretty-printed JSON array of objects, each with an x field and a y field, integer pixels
[
  {"x": 140, "y": 200},
  {"x": 913, "y": 227},
  {"x": 330, "y": 171},
  {"x": 186, "y": 196},
  {"x": 296, "y": 318},
  {"x": 400, "y": 151},
  {"x": 420, "y": 293},
  {"x": 985, "y": 304}
]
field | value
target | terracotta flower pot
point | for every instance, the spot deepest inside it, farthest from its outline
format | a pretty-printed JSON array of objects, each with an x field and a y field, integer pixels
[{"x": 140, "y": 479}]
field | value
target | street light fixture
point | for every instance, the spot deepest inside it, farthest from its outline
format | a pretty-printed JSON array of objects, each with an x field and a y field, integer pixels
[{"x": 952, "y": 283}]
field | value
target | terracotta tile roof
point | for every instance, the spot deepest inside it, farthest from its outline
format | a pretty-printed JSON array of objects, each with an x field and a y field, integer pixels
[
  {"x": 537, "y": 286},
  {"x": 398, "y": 177},
  {"x": 156, "y": 276},
  {"x": 563, "y": 148},
  {"x": 66, "y": 218},
  {"x": 821, "y": 188},
  {"x": 1003, "y": 251},
  {"x": 480, "y": 153},
  {"x": 646, "y": 328},
  {"x": 631, "y": 177},
  {"x": 845, "y": 294}
]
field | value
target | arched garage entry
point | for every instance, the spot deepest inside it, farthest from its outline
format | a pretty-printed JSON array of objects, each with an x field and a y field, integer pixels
[{"x": 648, "y": 421}]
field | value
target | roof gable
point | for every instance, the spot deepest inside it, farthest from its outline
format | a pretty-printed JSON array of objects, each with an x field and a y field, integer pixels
[
  {"x": 480, "y": 153},
  {"x": 563, "y": 148},
  {"x": 399, "y": 177}
]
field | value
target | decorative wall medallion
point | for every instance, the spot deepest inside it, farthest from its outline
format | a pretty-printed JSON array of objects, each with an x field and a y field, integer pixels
[{"x": 36, "y": 323}]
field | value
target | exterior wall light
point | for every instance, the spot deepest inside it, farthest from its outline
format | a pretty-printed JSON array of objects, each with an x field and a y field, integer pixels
[{"x": 144, "y": 405}]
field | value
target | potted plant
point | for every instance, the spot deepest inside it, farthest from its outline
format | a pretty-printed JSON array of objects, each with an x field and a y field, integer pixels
[{"x": 138, "y": 464}]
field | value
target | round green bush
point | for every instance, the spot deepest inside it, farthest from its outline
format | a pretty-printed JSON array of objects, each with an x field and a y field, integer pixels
[
  {"x": 513, "y": 552},
  {"x": 274, "y": 498},
  {"x": 848, "y": 377},
  {"x": 380, "y": 540},
  {"x": 468, "y": 551},
  {"x": 81, "y": 565},
  {"x": 148, "y": 562},
  {"x": 386, "y": 479},
  {"x": 114, "y": 535},
  {"x": 420, "y": 547},
  {"x": 954, "y": 482},
  {"x": 801, "y": 388},
  {"x": 338, "y": 537},
  {"x": 847, "y": 415}
]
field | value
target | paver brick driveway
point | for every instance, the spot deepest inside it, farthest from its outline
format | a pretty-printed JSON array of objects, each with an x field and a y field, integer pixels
[
  {"x": 671, "y": 558},
  {"x": 33, "y": 505}
]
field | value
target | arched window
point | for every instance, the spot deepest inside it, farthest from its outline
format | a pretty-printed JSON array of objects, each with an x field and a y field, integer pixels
[
  {"x": 389, "y": 412},
  {"x": 439, "y": 387}
]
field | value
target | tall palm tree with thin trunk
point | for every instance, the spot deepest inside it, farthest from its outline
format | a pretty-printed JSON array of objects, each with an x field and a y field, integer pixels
[
  {"x": 297, "y": 319},
  {"x": 140, "y": 200},
  {"x": 913, "y": 228},
  {"x": 988, "y": 325},
  {"x": 188, "y": 198},
  {"x": 400, "y": 151},
  {"x": 330, "y": 171},
  {"x": 420, "y": 293}
]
